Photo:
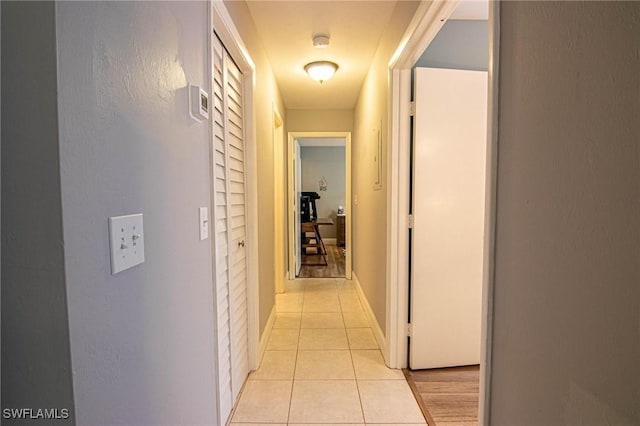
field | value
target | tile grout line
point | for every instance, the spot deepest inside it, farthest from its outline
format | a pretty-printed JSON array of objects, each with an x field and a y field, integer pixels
[
  {"x": 246, "y": 383},
  {"x": 306, "y": 297},
  {"x": 354, "y": 372},
  {"x": 341, "y": 312},
  {"x": 295, "y": 362},
  {"x": 355, "y": 376}
]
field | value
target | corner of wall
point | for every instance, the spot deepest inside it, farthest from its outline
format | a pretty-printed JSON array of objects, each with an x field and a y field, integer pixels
[
  {"x": 371, "y": 316},
  {"x": 36, "y": 360}
]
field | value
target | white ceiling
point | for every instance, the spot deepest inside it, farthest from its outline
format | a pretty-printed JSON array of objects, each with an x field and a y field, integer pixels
[{"x": 286, "y": 29}]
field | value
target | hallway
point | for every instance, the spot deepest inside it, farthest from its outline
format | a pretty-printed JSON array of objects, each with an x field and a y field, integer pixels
[
  {"x": 98, "y": 124},
  {"x": 323, "y": 365}
]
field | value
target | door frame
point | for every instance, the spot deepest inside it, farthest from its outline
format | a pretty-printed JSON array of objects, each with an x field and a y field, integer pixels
[
  {"x": 220, "y": 21},
  {"x": 291, "y": 137},
  {"x": 294, "y": 241},
  {"x": 427, "y": 22},
  {"x": 279, "y": 221}
]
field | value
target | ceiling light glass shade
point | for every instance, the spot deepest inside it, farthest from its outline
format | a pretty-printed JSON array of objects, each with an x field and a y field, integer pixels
[{"x": 321, "y": 70}]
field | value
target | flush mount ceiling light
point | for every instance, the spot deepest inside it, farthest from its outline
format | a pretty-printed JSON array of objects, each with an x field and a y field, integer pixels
[{"x": 321, "y": 70}]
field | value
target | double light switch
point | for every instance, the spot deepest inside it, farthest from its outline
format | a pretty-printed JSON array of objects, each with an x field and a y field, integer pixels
[{"x": 126, "y": 237}]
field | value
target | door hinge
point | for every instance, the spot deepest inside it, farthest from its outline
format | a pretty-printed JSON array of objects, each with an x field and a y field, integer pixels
[
  {"x": 412, "y": 108},
  {"x": 410, "y": 221},
  {"x": 409, "y": 330}
]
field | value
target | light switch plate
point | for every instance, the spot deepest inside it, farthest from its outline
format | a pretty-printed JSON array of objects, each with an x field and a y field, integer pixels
[
  {"x": 204, "y": 223},
  {"x": 126, "y": 237}
]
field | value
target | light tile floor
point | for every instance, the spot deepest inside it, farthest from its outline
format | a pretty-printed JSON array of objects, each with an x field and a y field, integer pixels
[{"x": 323, "y": 366}]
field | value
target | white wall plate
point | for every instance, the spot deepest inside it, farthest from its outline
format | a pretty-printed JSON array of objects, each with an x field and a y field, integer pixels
[
  {"x": 126, "y": 237},
  {"x": 204, "y": 223}
]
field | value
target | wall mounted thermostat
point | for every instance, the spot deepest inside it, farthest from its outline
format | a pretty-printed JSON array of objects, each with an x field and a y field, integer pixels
[{"x": 198, "y": 103}]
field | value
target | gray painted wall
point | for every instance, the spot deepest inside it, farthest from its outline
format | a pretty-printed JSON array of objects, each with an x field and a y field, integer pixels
[
  {"x": 142, "y": 341},
  {"x": 567, "y": 281},
  {"x": 460, "y": 44},
  {"x": 329, "y": 162},
  {"x": 36, "y": 367}
]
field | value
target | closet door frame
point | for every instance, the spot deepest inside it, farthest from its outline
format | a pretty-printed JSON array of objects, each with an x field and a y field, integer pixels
[{"x": 221, "y": 24}]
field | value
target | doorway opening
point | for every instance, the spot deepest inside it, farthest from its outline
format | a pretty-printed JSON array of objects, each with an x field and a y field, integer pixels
[
  {"x": 433, "y": 278},
  {"x": 449, "y": 147},
  {"x": 322, "y": 225},
  {"x": 319, "y": 193}
]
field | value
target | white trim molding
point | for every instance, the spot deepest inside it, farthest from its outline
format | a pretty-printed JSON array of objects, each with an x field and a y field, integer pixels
[
  {"x": 264, "y": 340},
  {"x": 371, "y": 317},
  {"x": 484, "y": 414},
  {"x": 279, "y": 221},
  {"x": 427, "y": 21},
  {"x": 291, "y": 137}
]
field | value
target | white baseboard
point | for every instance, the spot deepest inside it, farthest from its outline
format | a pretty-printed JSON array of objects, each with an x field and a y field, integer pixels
[
  {"x": 285, "y": 280},
  {"x": 281, "y": 286},
  {"x": 264, "y": 339},
  {"x": 375, "y": 327}
]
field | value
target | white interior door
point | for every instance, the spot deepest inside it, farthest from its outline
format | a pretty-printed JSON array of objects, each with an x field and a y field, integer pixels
[
  {"x": 448, "y": 217},
  {"x": 230, "y": 229}
]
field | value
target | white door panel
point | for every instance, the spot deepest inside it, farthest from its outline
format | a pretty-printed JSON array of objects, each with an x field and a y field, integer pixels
[
  {"x": 448, "y": 212},
  {"x": 225, "y": 396},
  {"x": 236, "y": 202}
]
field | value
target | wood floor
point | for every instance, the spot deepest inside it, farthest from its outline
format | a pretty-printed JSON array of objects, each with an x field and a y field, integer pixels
[
  {"x": 335, "y": 269},
  {"x": 447, "y": 396}
]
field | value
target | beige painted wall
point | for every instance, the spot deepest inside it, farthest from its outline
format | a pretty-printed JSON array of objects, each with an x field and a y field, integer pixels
[
  {"x": 310, "y": 120},
  {"x": 567, "y": 279},
  {"x": 266, "y": 94},
  {"x": 370, "y": 214}
]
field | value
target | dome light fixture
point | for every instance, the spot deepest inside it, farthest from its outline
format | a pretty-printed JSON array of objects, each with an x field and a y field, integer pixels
[{"x": 321, "y": 70}]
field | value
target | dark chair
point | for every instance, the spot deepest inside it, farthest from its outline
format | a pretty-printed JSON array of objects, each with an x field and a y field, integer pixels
[{"x": 313, "y": 196}]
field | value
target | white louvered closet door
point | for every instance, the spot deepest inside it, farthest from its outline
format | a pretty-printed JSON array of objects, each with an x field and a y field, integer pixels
[
  {"x": 230, "y": 229},
  {"x": 236, "y": 225}
]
